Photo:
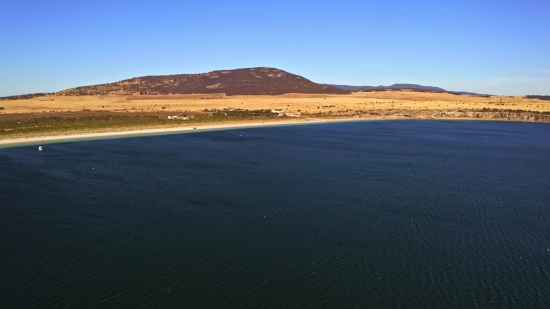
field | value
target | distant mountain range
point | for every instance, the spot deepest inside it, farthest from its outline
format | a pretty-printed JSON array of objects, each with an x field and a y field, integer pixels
[
  {"x": 540, "y": 97},
  {"x": 394, "y": 86},
  {"x": 413, "y": 87}
]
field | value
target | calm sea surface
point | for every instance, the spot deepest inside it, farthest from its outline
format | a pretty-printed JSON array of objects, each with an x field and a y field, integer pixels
[{"x": 394, "y": 214}]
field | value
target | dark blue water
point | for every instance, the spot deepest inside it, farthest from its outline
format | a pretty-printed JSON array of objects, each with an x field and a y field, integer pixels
[{"x": 399, "y": 214}]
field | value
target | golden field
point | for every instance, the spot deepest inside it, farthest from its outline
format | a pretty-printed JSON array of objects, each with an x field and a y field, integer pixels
[{"x": 305, "y": 103}]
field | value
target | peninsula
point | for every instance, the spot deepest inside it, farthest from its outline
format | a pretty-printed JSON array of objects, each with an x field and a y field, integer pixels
[{"x": 242, "y": 96}]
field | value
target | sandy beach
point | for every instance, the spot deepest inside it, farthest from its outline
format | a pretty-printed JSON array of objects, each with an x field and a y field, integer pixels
[{"x": 162, "y": 131}]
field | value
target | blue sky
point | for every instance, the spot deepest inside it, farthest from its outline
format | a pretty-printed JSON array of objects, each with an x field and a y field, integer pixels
[{"x": 497, "y": 47}]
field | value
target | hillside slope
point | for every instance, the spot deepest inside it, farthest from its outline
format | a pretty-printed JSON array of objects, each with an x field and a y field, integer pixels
[{"x": 253, "y": 81}]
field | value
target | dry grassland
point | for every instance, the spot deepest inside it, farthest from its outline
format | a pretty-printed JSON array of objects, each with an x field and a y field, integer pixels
[{"x": 305, "y": 103}]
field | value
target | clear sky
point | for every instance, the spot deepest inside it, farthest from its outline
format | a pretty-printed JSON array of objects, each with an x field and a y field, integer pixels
[{"x": 485, "y": 46}]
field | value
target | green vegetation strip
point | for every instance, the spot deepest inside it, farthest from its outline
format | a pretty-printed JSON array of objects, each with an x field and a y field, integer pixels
[
  {"x": 41, "y": 126},
  {"x": 96, "y": 123}
]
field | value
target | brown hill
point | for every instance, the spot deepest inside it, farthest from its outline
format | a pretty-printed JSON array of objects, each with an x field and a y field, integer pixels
[{"x": 253, "y": 81}]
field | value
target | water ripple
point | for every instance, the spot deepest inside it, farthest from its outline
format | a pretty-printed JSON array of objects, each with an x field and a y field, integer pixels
[{"x": 358, "y": 215}]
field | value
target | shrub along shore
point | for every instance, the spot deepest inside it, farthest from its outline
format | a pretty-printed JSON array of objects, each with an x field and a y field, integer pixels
[{"x": 17, "y": 126}]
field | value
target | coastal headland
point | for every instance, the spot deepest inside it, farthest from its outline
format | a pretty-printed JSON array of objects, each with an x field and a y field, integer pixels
[{"x": 258, "y": 96}]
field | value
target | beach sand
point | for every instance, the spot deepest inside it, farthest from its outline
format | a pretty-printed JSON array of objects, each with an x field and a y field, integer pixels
[{"x": 27, "y": 141}]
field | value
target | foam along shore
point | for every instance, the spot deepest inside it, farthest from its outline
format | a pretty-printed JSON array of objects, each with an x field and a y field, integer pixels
[{"x": 162, "y": 131}]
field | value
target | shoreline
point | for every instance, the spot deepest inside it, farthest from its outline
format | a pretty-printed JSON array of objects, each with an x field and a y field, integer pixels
[
  {"x": 60, "y": 138},
  {"x": 70, "y": 137}
]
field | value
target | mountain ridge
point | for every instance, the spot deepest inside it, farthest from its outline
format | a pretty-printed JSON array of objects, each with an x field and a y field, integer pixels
[
  {"x": 394, "y": 86},
  {"x": 413, "y": 87}
]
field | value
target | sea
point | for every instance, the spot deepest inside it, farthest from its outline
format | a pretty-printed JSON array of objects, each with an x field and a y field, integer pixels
[{"x": 367, "y": 214}]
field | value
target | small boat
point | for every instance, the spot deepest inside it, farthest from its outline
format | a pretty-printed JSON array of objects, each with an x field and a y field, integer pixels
[{"x": 39, "y": 148}]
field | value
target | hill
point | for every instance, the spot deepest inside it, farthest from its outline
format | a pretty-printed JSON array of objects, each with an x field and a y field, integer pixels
[{"x": 252, "y": 81}]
